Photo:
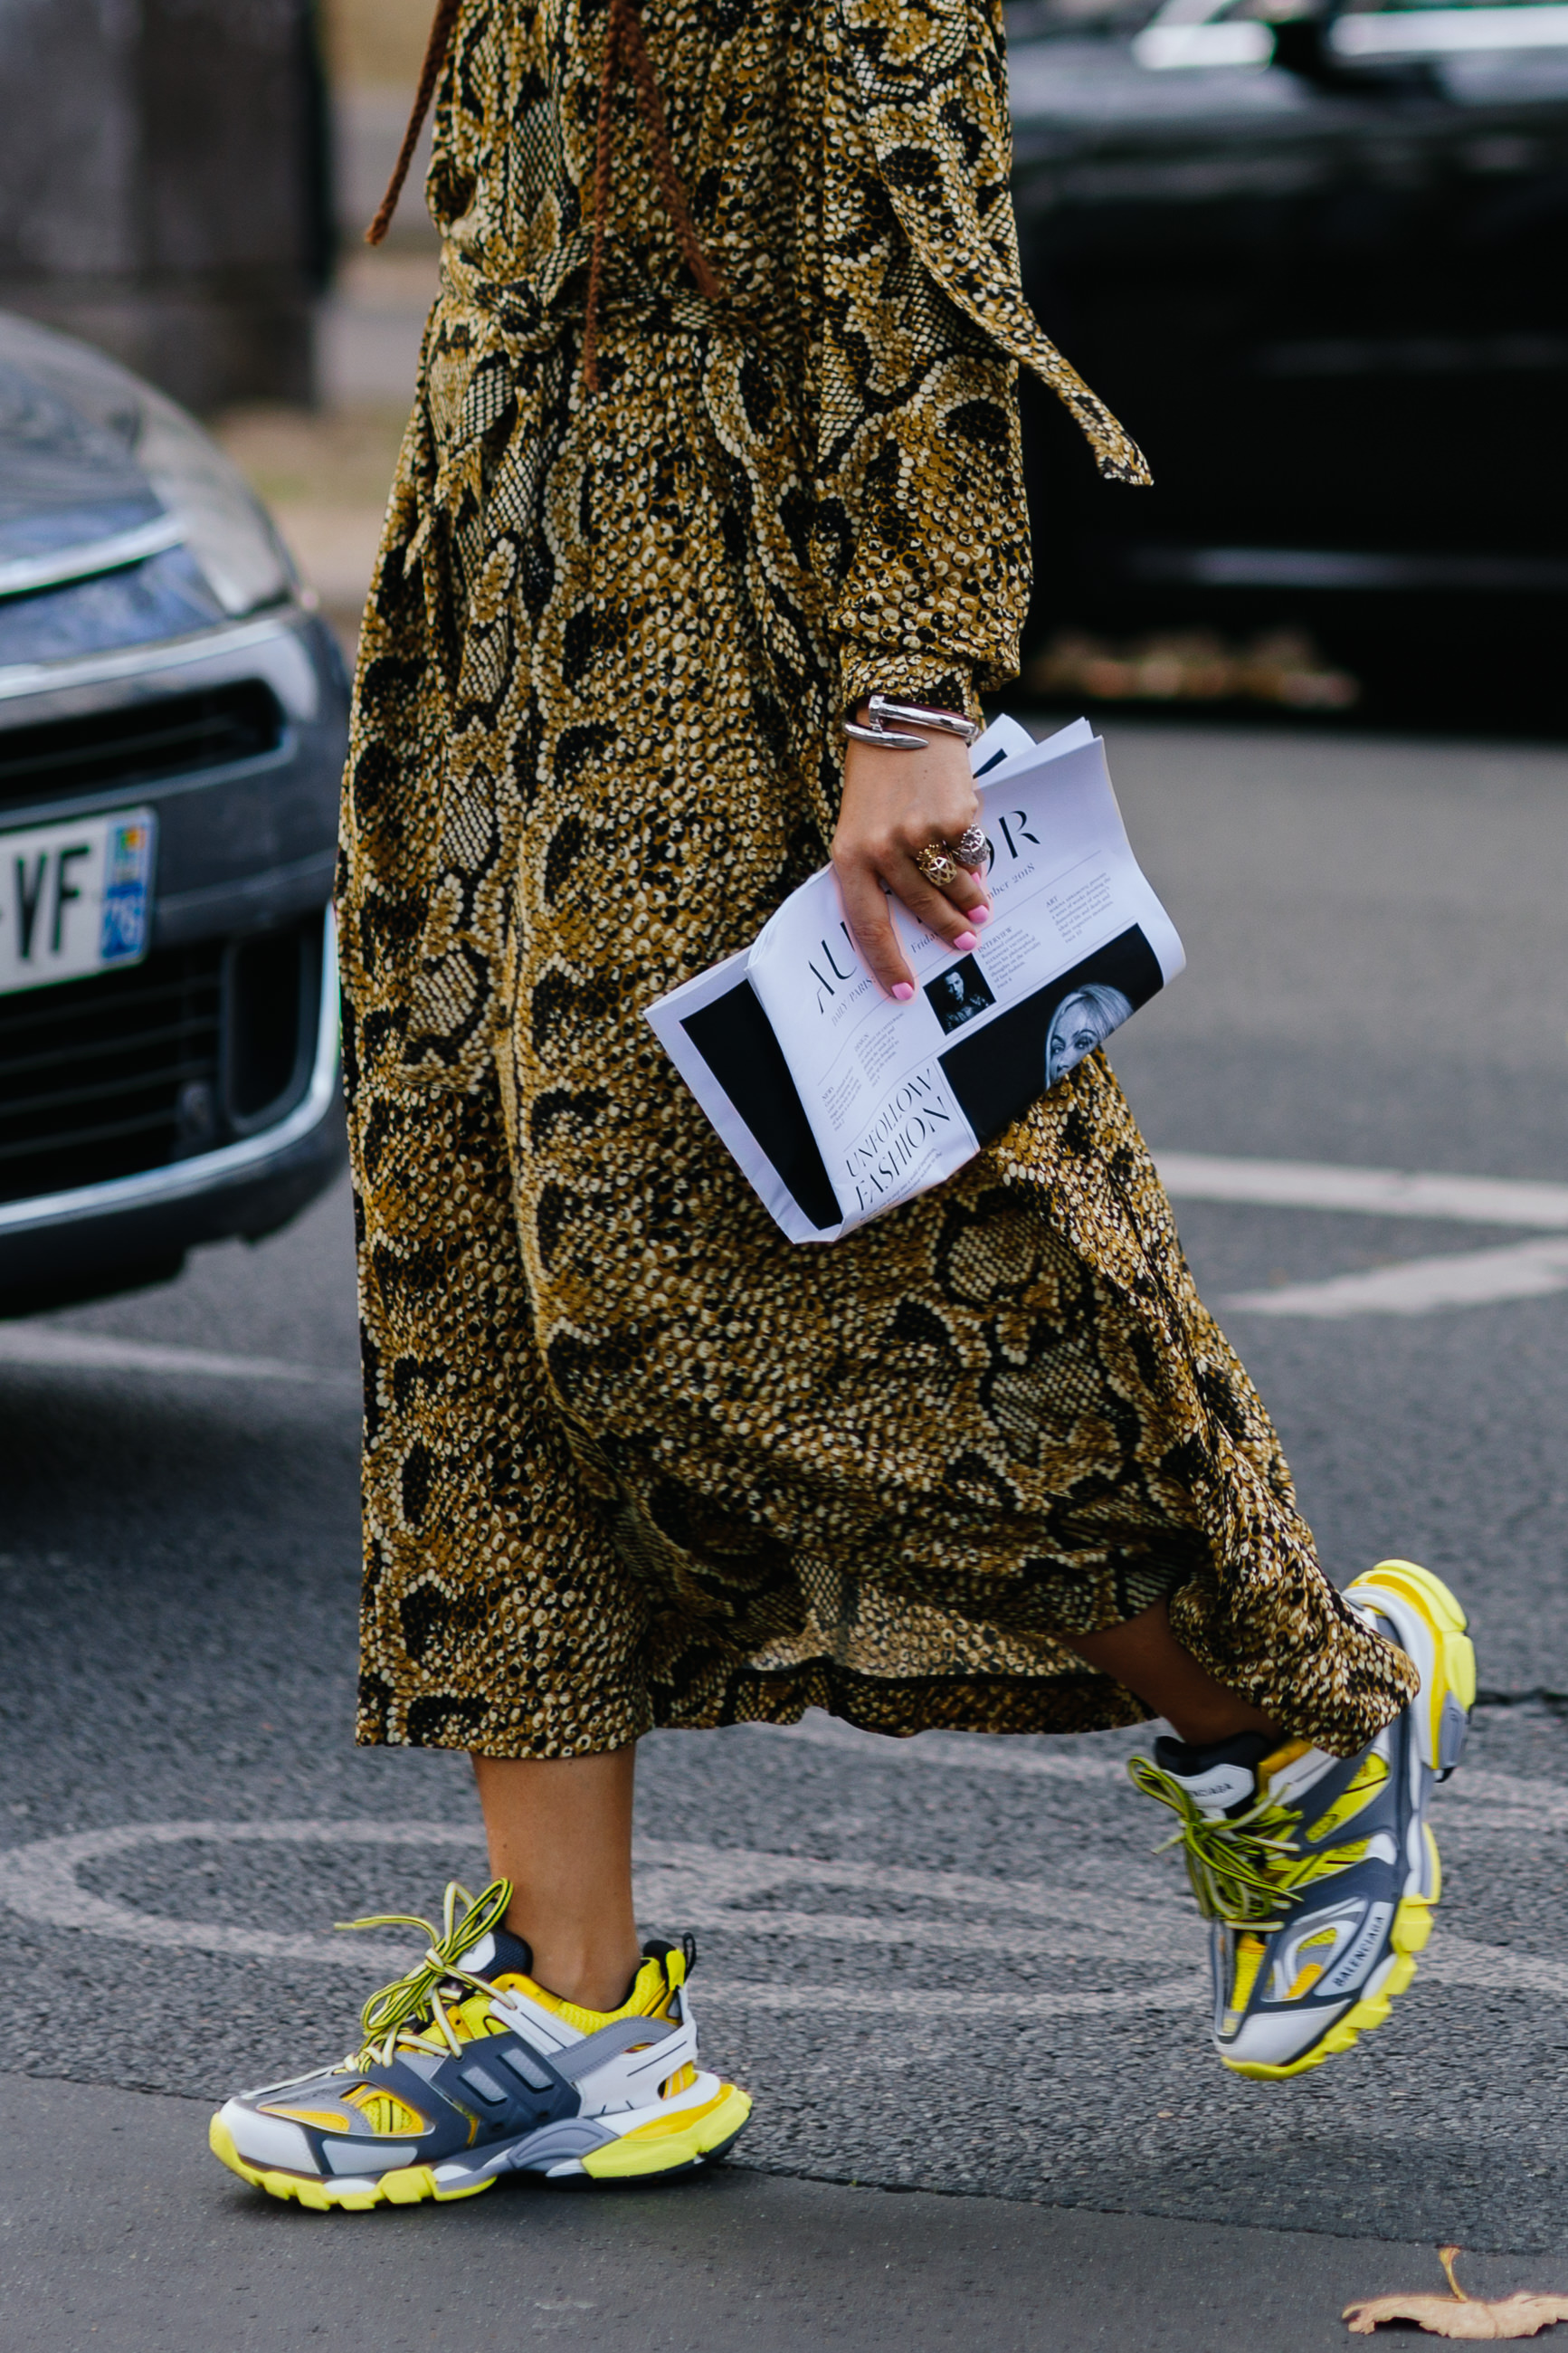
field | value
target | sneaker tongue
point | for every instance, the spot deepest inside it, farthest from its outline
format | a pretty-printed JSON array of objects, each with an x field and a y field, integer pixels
[
  {"x": 1221, "y": 1778},
  {"x": 498, "y": 1955}
]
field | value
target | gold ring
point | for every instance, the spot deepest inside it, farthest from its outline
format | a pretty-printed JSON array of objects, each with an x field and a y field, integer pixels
[{"x": 937, "y": 863}]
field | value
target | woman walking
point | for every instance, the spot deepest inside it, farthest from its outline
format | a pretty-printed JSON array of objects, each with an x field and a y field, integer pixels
[{"x": 716, "y": 437}]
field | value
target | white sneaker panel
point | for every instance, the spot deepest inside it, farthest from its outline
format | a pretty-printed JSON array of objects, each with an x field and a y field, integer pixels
[
  {"x": 349, "y": 2155},
  {"x": 1290, "y": 1784},
  {"x": 1272, "y": 2037},
  {"x": 1413, "y": 1632},
  {"x": 1415, "y": 1854},
  {"x": 695, "y": 2096},
  {"x": 271, "y": 2140},
  {"x": 632, "y": 2078},
  {"x": 1222, "y": 1787},
  {"x": 545, "y": 2027}
]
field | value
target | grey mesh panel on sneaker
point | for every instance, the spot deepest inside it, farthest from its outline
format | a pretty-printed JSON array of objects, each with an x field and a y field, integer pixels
[
  {"x": 482, "y": 2073},
  {"x": 1321, "y": 1874}
]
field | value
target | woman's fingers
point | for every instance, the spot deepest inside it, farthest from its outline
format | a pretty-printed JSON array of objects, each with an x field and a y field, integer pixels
[
  {"x": 895, "y": 805},
  {"x": 871, "y": 926},
  {"x": 956, "y": 912},
  {"x": 965, "y": 890}
]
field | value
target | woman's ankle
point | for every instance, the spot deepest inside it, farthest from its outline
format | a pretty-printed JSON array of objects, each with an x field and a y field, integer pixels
[
  {"x": 593, "y": 1976},
  {"x": 1211, "y": 1727},
  {"x": 560, "y": 1830},
  {"x": 1144, "y": 1654}
]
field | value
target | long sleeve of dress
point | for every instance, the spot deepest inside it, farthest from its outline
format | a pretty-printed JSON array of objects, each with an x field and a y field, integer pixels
[{"x": 922, "y": 532}]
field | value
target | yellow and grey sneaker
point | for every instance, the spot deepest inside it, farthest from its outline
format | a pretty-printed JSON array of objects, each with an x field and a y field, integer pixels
[
  {"x": 1320, "y": 1873},
  {"x": 470, "y": 2070}
]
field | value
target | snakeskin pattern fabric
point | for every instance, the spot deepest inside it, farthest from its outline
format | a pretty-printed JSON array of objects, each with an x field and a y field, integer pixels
[{"x": 631, "y": 1457}]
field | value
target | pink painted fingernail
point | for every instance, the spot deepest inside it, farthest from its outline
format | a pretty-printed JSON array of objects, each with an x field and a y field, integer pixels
[
  {"x": 903, "y": 991},
  {"x": 978, "y": 916},
  {"x": 966, "y": 940}
]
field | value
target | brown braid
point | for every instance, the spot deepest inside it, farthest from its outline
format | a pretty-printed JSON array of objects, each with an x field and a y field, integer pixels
[
  {"x": 429, "y": 75},
  {"x": 625, "y": 26},
  {"x": 601, "y": 197},
  {"x": 652, "y": 104}
]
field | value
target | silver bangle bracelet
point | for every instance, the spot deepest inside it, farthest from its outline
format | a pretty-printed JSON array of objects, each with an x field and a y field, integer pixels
[{"x": 908, "y": 715}]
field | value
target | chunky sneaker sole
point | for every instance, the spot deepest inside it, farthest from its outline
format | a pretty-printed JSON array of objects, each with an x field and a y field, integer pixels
[
  {"x": 1319, "y": 1874},
  {"x": 1420, "y": 1613},
  {"x": 667, "y": 2140},
  {"x": 472, "y": 2070}
]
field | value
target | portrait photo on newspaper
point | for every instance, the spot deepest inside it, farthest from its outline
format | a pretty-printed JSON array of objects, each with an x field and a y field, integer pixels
[{"x": 997, "y": 1073}]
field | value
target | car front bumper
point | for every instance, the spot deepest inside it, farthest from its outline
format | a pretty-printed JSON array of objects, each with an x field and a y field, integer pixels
[{"x": 98, "y": 1238}]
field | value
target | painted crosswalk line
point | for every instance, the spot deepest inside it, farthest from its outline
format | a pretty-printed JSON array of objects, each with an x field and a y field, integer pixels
[
  {"x": 790, "y": 1907},
  {"x": 1418, "y": 1286},
  {"x": 1373, "y": 1192}
]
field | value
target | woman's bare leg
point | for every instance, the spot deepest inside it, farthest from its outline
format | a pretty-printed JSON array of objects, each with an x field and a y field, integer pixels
[
  {"x": 560, "y": 1830},
  {"x": 1146, "y": 1656}
]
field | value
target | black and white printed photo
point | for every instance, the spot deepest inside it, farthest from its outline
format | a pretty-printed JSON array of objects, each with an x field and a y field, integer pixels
[
  {"x": 957, "y": 995},
  {"x": 1000, "y": 1069},
  {"x": 1080, "y": 1023}
]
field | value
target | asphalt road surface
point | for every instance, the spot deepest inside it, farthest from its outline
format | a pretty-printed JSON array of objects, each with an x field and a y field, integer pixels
[{"x": 953, "y": 1965}]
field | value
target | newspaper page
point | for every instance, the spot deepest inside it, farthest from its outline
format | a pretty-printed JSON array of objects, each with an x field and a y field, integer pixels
[{"x": 838, "y": 1103}]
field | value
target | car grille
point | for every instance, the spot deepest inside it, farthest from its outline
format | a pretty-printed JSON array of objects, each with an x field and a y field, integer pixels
[
  {"x": 129, "y": 1071},
  {"x": 138, "y": 743}
]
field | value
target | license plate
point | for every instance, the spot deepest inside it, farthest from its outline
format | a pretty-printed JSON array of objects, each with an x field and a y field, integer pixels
[{"x": 75, "y": 898}]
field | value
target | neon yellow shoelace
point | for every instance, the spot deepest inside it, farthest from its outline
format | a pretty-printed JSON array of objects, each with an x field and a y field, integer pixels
[
  {"x": 388, "y": 2016},
  {"x": 1235, "y": 1863}
]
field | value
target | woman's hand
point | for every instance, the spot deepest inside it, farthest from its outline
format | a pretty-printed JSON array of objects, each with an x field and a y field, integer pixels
[{"x": 894, "y": 804}]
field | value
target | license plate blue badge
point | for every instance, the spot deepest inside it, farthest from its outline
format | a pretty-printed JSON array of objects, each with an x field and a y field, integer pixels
[{"x": 127, "y": 891}]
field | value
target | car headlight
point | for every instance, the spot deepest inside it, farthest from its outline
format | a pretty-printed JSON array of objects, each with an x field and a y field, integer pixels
[{"x": 226, "y": 528}]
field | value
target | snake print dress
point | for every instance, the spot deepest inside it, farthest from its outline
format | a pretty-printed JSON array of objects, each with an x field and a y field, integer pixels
[{"x": 631, "y": 1458}]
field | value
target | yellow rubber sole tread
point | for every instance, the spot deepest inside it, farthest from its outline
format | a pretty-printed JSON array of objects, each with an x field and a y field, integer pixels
[
  {"x": 666, "y": 2148},
  {"x": 1445, "y": 1606},
  {"x": 1412, "y": 1928},
  {"x": 409, "y": 2185},
  {"x": 1446, "y": 1615}
]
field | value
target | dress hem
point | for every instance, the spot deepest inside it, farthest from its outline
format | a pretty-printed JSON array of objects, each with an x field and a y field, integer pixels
[{"x": 897, "y": 1707}]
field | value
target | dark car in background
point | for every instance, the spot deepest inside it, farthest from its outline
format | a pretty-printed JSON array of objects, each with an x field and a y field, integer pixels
[
  {"x": 1316, "y": 260},
  {"x": 173, "y": 721}
]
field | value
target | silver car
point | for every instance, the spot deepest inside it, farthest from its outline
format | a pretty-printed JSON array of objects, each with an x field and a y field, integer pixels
[{"x": 173, "y": 722}]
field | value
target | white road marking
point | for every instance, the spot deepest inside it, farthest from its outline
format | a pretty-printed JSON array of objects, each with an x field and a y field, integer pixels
[
  {"x": 942, "y": 2000},
  {"x": 987, "y": 1754},
  {"x": 1532, "y": 1270},
  {"x": 1418, "y": 1286},
  {"x": 45, "y": 1346},
  {"x": 1381, "y": 1192},
  {"x": 680, "y": 1873},
  {"x": 39, "y": 1881},
  {"x": 718, "y": 1888},
  {"x": 1527, "y": 1270},
  {"x": 1479, "y": 1799}
]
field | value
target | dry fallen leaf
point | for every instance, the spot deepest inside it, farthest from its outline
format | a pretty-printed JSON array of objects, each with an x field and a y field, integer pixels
[{"x": 1522, "y": 2314}]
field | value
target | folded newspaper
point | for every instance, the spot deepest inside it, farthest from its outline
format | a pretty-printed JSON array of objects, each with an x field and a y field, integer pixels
[{"x": 838, "y": 1103}]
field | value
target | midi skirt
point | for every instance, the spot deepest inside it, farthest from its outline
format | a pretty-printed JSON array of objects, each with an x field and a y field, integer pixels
[{"x": 631, "y": 1458}]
